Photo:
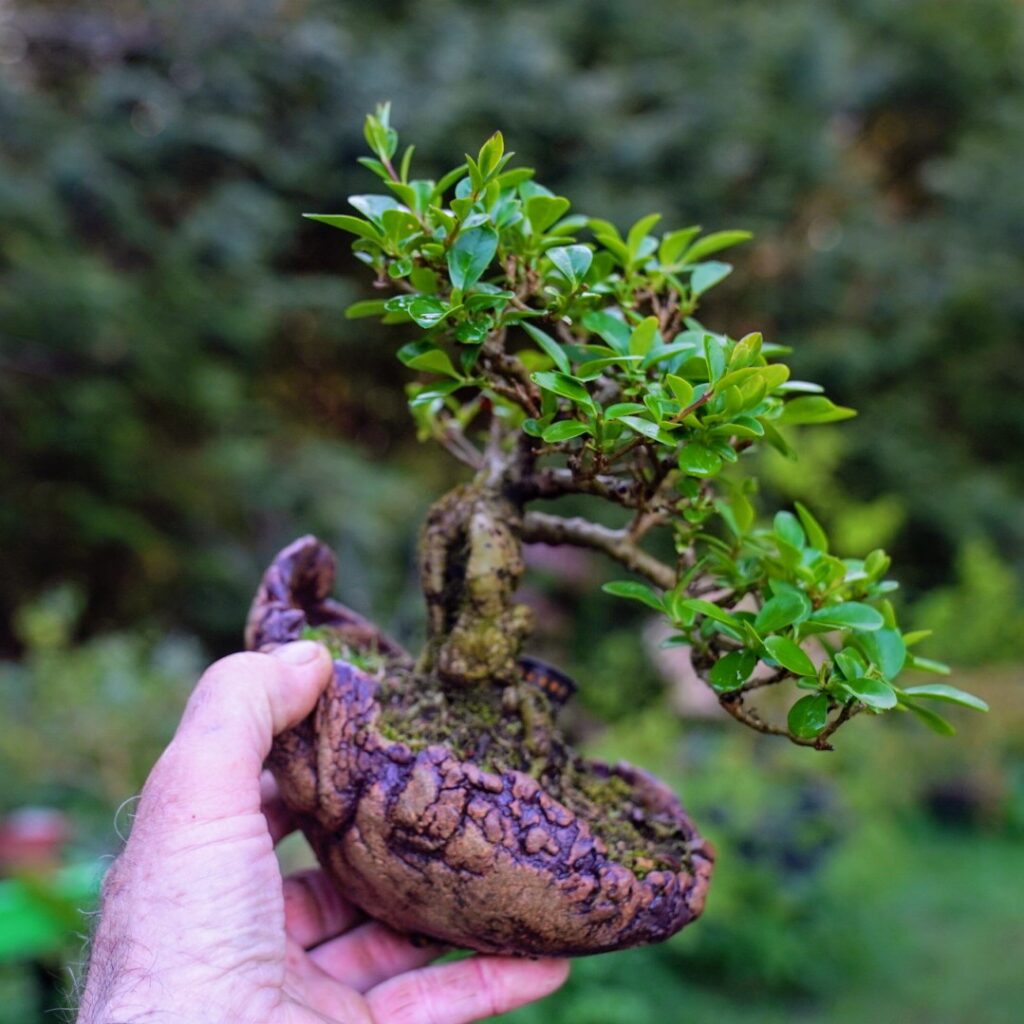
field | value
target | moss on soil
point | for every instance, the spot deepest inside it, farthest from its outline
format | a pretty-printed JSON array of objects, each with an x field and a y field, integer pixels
[{"x": 512, "y": 728}]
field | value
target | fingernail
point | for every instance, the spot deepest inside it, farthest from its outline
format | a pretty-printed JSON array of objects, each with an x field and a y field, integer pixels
[{"x": 298, "y": 653}]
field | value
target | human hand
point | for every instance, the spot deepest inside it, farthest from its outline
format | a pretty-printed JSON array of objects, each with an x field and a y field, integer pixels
[{"x": 196, "y": 923}]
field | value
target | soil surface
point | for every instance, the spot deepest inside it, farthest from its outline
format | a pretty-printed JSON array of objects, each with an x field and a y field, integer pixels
[
  {"x": 513, "y": 729},
  {"x": 452, "y": 807}
]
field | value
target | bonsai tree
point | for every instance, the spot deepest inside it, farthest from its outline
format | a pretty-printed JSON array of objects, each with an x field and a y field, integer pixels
[{"x": 555, "y": 355}]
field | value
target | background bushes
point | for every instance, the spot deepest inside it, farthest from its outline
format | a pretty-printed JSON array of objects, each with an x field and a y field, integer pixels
[{"x": 180, "y": 395}]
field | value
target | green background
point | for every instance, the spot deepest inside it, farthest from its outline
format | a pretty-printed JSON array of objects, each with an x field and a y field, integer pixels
[{"x": 180, "y": 395}]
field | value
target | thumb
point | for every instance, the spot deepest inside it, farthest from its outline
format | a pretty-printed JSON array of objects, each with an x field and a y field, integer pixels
[{"x": 212, "y": 767}]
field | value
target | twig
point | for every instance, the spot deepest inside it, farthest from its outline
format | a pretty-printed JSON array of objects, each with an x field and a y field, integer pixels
[
  {"x": 455, "y": 442},
  {"x": 554, "y": 483},
  {"x": 538, "y": 527},
  {"x": 732, "y": 702}
]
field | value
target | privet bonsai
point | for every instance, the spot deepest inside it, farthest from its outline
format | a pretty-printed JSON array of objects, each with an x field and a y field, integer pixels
[{"x": 556, "y": 356}]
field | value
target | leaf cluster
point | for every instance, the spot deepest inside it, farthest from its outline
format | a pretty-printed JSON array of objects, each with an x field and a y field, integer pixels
[{"x": 553, "y": 332}]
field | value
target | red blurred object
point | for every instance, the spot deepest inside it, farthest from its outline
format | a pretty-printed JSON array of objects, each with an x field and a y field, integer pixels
[{"x": 31, "y": 839}]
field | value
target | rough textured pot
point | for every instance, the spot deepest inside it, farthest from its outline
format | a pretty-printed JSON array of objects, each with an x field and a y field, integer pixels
[{"x": 436, "y": 846}]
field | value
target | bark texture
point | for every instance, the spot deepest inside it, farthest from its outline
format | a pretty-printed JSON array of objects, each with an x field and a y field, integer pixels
[{"x": 435, "y": 845}]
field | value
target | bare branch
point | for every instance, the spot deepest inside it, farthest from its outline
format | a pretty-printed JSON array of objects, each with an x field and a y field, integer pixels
[
  {"x": 538, "y": 527},
  {"x": 453, "y": 440},
  {"x": 554, "y": 483},
  {"x": 850, "y": 708},
  {"x": 732, "y": 702}
]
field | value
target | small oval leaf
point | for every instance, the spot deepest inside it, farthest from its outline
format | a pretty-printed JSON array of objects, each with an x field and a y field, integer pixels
[
  {"x": 635, "y": 592},
  {"x": 950, "y": 694},
  {"x": 564, "y": 430},
  {"x": 808, "y": 716},
  {"x": 732, "y": 671},
  {"x": 784, "y": 609},
  {"x": 875, "y": 693},
  {"x": 790, "y": 655},
  {"x": 850, "y": 615}
]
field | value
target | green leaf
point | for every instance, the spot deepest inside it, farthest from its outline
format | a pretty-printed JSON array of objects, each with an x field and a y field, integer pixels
[
  {"x": 449, "y": 179},
  {"x": 674, "y": 244},
  {"x": 572, "y": 262},
  {"x": 790, "y": 656},
  {"x": 714, "y": 242},
  {"x": 815, "y": 534},
  {"x": 546, "y": 342},
  {"x": 564, "y": 430},
  {"x": 374, "y": 207},
  {"x": 742, "y": 510},
  {"x": 635, "y": 592},
  {"x": 742, "y": 426},
  {"x": 698, "y": 460},
  {"x": 682, "y": 390},
  {"x": 427, "y": 311},
  {"x": 814, "y": 409},
  {"x": 362, "y": 228},
  {"x": 593, "y": 369},
  {"x": 367, "y": 307},
  {"x": 915, "y": 636},
  {"x": 789, "y": 529},
  {"x": 747, "y": 349},
  {"x": 714, "y": 356},
  {"x": 613, "y": 412},
  {"x": 470, "y": 255},
  {"x": 934, "y": 722},
  {"x": 712, "y": 611},
  {"x": 808, "y": 716},
  {"x": 777, "y": 441},
  {"x": 566, "y": 386},
  {"x": 648, "y": 429},
  {"x": 784, "y": 609},
  {"x": 939, "y": 668},
  {"x": 490, "y": 154},
  {"x": 379, "y": 135},
  {"x": 850, "y": 615},
  {"x": 679, "y": 640},
  {"x": 707, "y": 275},
  {"x": 433, "y": 392},
  {"x": 850, "y": 663},
  {"x": 941, "y": 691},
  {"x": 642, "y": 337},
  {"x": 424, "y": 355},
  {"x": 542, "y": 211},
  {"x": 732, "y": 671},
  {"x": 886, "y": 649},
  {"x": 875, "y": 693},
  {"x": 473, "y": 332},
  {"x": 609, "y": 328},
  {"x": 638, "y": 232}
]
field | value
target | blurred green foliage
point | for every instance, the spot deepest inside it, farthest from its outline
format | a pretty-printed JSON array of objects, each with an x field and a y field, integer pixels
[
  {"x": 69, "y": 749},
  {"x": 171, "y": 329},
  {"x": 977, "y": 620},
  {"x": 180, "y": 395}
]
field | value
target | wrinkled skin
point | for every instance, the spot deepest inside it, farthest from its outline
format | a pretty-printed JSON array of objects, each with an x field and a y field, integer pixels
[
  {"x": 435, "y": 846},
  {"x": 196, "y": 923}
]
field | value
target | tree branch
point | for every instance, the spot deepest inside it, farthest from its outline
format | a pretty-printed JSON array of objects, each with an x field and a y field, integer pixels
[
  {"x": 732, "y": 702},
  {"x": 538, "y": 527},
  {"x": 554, "y": 483}
]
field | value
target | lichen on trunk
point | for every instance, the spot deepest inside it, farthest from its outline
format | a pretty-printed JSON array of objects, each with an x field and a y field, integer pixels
[
  {"x": 471, "y": 689},
  {"x": 470, "y": 565},
  {"x": 467, "y": 690}
]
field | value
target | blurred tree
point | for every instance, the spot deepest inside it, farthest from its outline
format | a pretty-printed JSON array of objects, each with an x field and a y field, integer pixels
[{"x": 171, "y": 332}]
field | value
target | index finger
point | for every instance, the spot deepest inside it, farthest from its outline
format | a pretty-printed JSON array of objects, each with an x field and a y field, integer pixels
[
  {"x": 465, "y": 991},
  {"x": 211, "y": 770}
]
